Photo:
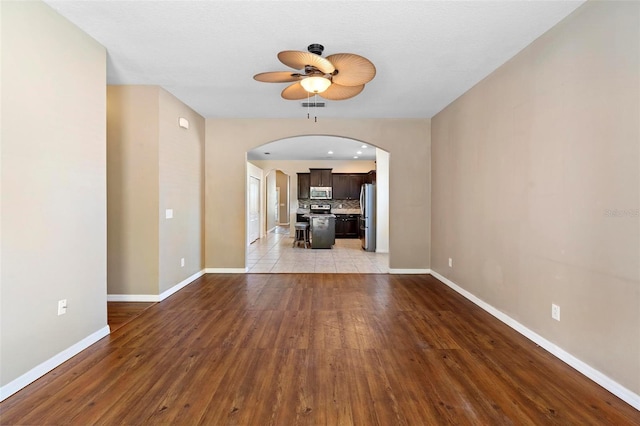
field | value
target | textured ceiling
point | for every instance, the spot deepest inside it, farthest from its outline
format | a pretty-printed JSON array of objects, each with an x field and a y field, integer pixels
[{"x": 427, "y": 53}]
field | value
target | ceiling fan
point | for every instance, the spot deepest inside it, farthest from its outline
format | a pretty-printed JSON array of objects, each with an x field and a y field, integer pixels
[{"x": 336, "y": 77}]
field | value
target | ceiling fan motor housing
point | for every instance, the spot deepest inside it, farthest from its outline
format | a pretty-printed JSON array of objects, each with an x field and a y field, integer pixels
[
  {"x": 316, "y": 48},
  {"x": 310, "y": 70}
]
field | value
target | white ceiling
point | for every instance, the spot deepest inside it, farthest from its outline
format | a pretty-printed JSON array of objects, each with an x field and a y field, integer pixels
[
  {"x": 314, "y": 148},
  {"x": 427, "y": 53}
]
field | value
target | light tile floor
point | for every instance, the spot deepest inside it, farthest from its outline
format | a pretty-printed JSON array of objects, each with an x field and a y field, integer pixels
[{"x": 275, "y": 254}]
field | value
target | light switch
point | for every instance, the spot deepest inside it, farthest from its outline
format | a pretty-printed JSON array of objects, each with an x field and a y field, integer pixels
[{"x": 168, "y": 213}]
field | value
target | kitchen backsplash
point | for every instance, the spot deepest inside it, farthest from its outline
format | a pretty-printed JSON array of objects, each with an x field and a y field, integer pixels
[{"x": 335, "y": 204}]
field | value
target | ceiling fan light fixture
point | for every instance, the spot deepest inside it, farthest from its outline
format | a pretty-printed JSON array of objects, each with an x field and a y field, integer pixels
[
  {"x": 315, "y": 84},
  {"x": 336, "y": 78}
]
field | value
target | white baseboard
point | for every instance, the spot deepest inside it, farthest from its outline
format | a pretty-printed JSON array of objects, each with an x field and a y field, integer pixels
[
  {"x": 409, "y": 271},
  {"x": 133, "y": 298},
  {"x": 181, "y": 285},
  {"x": 606, "y": 382},
  {"x": 154, "y": 297},
  {"x": 42, "y": 369},
  {"x": 226, "y": 270}
]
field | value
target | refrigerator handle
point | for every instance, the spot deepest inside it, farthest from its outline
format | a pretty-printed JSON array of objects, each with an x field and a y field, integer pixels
[{"x": 361, "y": 200}]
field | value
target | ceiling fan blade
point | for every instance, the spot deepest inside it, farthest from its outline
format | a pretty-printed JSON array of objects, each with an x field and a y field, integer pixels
[
  {"x": 353, "y": 70},
  {"x": 277, "y": 77},
  {"x": 295, "y": 92},
  {"x": 298, "y": 60},
  {"x": 338, "y": 92}
]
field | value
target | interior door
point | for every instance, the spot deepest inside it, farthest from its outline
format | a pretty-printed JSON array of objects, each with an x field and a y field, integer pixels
[{"x": 254, "y": 209}]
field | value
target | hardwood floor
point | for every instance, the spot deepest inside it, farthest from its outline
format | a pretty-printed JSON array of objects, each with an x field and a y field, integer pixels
[
  {"x": 315, "y": 349},
  {"x": 120, "y": 313}
]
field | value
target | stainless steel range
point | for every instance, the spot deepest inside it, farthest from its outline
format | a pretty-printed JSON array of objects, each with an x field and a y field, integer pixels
[
  {"x": 323, "y": 226},
  {"x": 320, "y": 208}
]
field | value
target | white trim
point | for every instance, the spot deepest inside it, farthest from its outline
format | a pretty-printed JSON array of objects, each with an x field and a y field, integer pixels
[
  {"x": 181, "y": 285},
  {"x": 226, "y": 270},
  {"x": 154, "y": 297},
  {"x": 48, "y": 365},
  {"x": 409, "y": 271},
  {"x": 606, "y": 382},
  {"x": 271, "y": 230},
  {"x": 382, "y": 251},
  {"x": 133, "y": 298}
]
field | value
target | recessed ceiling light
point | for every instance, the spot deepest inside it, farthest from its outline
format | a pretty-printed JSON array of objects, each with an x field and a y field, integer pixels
[
  {"x": 330, "y": 152},
  {"x": 355, "y": 156},
  {"x": 363, "y": 146},
  {"x": 359, "y": 152}
]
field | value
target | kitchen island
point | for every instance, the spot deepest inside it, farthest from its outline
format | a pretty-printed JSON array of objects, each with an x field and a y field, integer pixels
[{"x": 323, "y": 230}]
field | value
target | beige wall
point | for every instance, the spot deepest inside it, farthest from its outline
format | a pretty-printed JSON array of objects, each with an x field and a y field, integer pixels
[
  {"x": 53, "y": 198},
  {"x": 527, "y": 167},
  {"x": 132, "y": 189},
  {"x": 154, "y": 165},
  {"x": 181, "y": 186},
  {"x": 282, "y": 182},
  {"x": 407, "y": 140},
  {"x": 181, "y": 183}
]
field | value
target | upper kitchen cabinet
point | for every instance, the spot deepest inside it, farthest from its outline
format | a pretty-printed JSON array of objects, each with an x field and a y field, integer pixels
[
  {"x": 355, "y": 183},
  {"x": 347, "y": 186},
  {"x": 321, "y": 177},
  {"x": 340, "y": 186},
  {"x": 304, "y": 180}
]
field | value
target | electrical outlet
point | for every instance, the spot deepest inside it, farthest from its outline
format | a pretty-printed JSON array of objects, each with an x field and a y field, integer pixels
[
  {"x": 450, "y": 263},
  {"x": 182, "y": 262},
  {"x": 555, "y": 312},
  {"x": 62, "y": 307}
]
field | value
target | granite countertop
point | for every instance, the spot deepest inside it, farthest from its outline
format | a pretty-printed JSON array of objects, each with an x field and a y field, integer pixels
[
  {"x": 334, "y": 211},
  {"x": 345, "y": 211}
]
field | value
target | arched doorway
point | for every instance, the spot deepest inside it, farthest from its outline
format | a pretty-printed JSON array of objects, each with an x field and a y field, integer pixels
[
  {"x": 406, "y": 140},
  {"x": 295, "y": 155}
]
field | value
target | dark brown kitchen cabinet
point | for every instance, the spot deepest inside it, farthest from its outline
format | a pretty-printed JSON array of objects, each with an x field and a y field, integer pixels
[
  {"x": 346, "y": 186},
  {"x": 346, "y": 226},
  {"x": 321, "y": 177},
  {"x": 340, "y": 186},
  {"x": 304, "y": 180},
  {"x": 355, "y": 183}
]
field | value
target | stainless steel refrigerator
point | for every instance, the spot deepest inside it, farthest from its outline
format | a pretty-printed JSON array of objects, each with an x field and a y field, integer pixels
[{"x": 368, "y": 216}]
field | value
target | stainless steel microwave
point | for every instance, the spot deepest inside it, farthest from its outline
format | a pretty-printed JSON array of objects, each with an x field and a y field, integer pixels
[{"x": 320, "y": 193}]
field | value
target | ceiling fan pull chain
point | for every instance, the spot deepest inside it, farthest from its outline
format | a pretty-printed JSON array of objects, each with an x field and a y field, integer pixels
[
  {"x": 307, "y": 105},
  {"x": 315, "y": 103}
]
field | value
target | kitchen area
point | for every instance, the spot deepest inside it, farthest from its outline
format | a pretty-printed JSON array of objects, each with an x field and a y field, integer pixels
[
  {"x": 323, "y": 191},
  {"x": 337, "y": 205}
]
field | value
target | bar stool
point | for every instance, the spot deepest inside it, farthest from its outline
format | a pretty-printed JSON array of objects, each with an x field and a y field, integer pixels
[{"x": 302, "y": 233}]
